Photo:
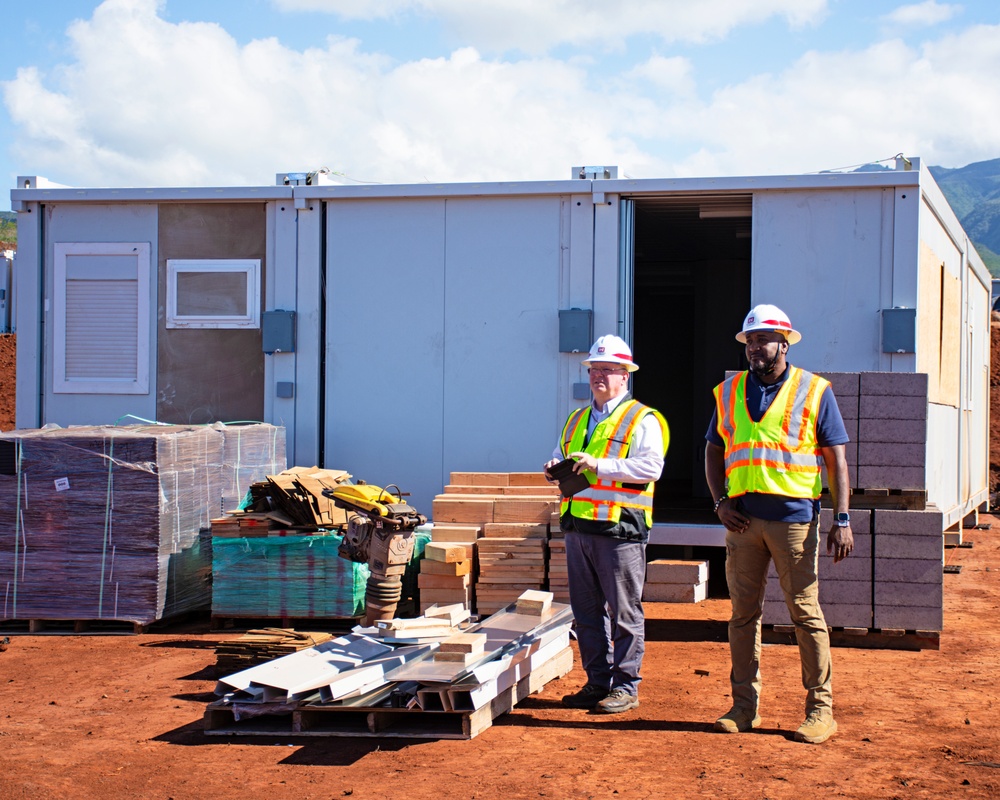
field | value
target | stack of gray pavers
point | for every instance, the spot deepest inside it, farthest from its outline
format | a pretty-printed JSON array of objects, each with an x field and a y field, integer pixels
[
  {"x": 894, "y": 577},
  {"x": 112, "y": 523}
]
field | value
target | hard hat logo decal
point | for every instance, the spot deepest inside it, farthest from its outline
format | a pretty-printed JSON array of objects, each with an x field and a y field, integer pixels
[
  {"x": 750, "y": 320},
  {"x": 600, "y": 349}
]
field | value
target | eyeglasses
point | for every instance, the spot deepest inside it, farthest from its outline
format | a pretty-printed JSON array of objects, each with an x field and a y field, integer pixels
[{"x": 607, "y": 370}]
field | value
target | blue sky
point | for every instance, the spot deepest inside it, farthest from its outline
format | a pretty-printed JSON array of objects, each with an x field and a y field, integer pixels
[{"x": 230, "y": 92}]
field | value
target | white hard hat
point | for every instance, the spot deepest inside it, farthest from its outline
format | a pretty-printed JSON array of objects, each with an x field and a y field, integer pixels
[
  {"x": 611, "y": 350},
  {"x": 768, "y": 318}
]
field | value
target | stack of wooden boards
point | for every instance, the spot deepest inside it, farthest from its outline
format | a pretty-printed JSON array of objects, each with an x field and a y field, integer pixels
[
  {"x": 507, "y": 517},
  {"x": 496, "y": 535},
  {"x": 263, "y": 644}
]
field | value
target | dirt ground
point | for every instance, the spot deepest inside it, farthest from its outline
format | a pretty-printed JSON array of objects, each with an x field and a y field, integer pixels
[
  {"x": 8, "y": 374},
  {"x": 121, "y": 717},
  {"x": 115, "y": 717}
]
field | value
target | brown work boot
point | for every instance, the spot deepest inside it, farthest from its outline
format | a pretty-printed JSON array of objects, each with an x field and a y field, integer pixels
[
  {"x": 736, "y": 720},
  {"x": 817, "y": 728}
]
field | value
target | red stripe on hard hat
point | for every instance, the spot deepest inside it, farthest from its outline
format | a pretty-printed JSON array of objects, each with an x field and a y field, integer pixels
[
  {"x": 622, "y": 355},
  {"x": 779, "y": 322}
]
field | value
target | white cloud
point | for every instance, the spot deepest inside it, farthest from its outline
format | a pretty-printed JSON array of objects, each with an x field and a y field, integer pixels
[
  {"x": 928, "y": 13},
  {"x": 151, "y": 103},
  {"x": 536, "y": 26}
]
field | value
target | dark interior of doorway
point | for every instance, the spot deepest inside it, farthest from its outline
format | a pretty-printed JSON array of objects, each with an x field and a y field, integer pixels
[{"x": 691, "y": 286}]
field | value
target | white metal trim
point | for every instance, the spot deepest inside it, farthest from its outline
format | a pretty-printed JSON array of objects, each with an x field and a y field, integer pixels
[{"x": 249, "y": 266}]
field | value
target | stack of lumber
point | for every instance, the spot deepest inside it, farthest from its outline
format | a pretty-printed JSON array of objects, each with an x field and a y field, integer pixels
[
  {"x": 445, "y": 573},
  {"x": 511, "y": 559},
  {"x": 115, "y": 519},
  {"x": 675, "y": 581},
  {"x": 263, "y": 644},
  {"x": 507, "y": 515}
]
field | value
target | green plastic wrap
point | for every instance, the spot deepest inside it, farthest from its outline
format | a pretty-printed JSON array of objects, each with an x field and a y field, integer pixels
[{"x": 285, "y": 576}]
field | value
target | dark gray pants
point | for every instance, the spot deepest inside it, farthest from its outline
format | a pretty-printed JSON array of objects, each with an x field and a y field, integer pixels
[{"x": 605, "y": 591}]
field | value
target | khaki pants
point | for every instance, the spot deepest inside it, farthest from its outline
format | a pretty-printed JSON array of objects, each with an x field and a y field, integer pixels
[{"x": 794, "y": 547}]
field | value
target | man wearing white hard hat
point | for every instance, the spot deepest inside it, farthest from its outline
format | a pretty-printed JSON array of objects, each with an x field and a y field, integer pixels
[
  {"x": 618, "y": 445},
  {"x": 775, "y": 426}
]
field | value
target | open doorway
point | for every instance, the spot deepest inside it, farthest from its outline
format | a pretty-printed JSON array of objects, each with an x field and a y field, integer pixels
[{"x": 690, "y": 282}]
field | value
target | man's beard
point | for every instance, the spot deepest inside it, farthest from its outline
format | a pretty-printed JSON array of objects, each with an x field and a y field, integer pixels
[{"x": 762, "y": 370}]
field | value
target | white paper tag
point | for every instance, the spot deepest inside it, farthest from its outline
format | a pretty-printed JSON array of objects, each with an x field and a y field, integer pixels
[{"x": 62, "y": 484}]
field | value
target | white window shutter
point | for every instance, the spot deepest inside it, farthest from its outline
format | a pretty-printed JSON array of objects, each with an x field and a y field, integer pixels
[{"x": 101, "y": 320}]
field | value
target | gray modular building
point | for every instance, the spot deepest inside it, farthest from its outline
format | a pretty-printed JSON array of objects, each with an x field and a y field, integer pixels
[{"x": 402, "y": 332}]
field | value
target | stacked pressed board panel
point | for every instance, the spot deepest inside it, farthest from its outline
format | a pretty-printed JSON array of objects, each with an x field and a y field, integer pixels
[{"x": 506, "y": 516}]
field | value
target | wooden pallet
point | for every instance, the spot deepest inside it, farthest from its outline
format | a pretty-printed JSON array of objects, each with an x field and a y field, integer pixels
[
  {"x": 862, "y": 638},
  {"x": 65, "y": 627},
  {"x": 885, "y": 499},
  {"x": 318, "y": 720}
]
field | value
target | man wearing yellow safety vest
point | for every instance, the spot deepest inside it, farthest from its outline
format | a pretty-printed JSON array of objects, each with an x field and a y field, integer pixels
[
  {"x": 775, "y": 426},
  {"x": 618, "y": 444}
]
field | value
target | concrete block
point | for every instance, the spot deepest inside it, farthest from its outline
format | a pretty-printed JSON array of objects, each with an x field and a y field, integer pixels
[
  {"x": 920, "y": 618},
  {"x": 665, "y": 570},
  {"x": 909, "y": 570},
  {"x": 892, "y": 454},
  {"x": 903, "y": 546},
  {"x": 849, "y": 406},
  {"x": 847, "y": 615},
  {"x": 889, "y": 407},
  {"x": 906, "y": 478},
  {"x": 860, "y": 526},
  {"x": 911, "y": 523},
  {"x": 845, "y": 592},
  {"x": 894, "y": 384},
  {"x": 911, "y": 595},
  {"x": 852, "y": 568},
  {"x": 674, "y": 592},
  {"x": 845, "y": 384},
  {"x": 893, "y": 430}
]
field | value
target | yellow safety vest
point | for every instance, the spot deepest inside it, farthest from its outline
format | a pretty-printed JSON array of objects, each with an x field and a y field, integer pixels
[
  {"x": 780, "y": 454},
  {"x": 604, "y": 500}
]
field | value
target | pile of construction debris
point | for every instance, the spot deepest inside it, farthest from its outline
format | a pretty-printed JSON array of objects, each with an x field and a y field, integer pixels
[{"x": 437, "y": 675}]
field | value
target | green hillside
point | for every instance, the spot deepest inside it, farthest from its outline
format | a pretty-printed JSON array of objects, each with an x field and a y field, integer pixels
[
  {"x": 973, "y": 192},
  {"x": 8, "y": 230}
]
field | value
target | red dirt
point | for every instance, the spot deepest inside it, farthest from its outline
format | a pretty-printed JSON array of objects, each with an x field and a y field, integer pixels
[
  {"x": 8, "y": 375},
  {"x": 115, "y": 717}
]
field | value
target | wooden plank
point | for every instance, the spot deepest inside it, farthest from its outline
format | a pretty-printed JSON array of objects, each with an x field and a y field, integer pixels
[
  {"x": 445, "y": 567},
  {"x": 523, "y": 509},
  {"x": 516, "y": 530},
  {"x": 462, "y": 508},
  {"x": 448, "y": 552}
]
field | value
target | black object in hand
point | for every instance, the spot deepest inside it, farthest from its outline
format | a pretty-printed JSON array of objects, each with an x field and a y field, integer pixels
[{"x": 569, "y": 482}]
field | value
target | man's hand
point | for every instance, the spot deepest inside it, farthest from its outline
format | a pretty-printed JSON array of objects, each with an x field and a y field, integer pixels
[
  {"x": 545, "y": 469},
  {"x": 584, "y": 461},
  {"x": 840, "y": 542},
  {"x": 730, "y": 516}
]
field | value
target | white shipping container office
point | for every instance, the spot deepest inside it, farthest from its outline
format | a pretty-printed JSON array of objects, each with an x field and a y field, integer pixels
[{"x": 404, "y": 332}]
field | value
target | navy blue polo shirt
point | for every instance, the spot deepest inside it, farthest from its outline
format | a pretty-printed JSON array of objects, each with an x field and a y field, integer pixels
[{"x": 830, "y": 431}]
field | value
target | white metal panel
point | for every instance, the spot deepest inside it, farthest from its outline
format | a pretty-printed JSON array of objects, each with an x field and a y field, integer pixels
[
  {"x": 943, "y": 458},
  {"x": 29, "y": 266},
  {"x": 310, "y": 345},
  {"x": 501, "y": 332},
  {"x": 98, "y": 223},
  {"x": 385, "y": 343},
  {"x": 818, "y": 256}
]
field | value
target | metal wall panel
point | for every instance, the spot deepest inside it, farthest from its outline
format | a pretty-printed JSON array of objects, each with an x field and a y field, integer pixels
[
  {"x": 93, "y": 223},
  {"x": 817, "y": 255}
]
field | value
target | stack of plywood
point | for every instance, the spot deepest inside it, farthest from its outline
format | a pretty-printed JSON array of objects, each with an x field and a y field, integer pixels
[
  {"x": 675, "y": 581},
  {"x": 510, "y": 509},
  {"x": 445, "y": 573}
]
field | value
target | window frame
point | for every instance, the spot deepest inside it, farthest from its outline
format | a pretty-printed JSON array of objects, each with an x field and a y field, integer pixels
[{"x": 249, "y": 266}]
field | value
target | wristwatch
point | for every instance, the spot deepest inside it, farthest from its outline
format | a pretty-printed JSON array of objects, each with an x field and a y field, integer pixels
[{"x": 843, "y": 520}]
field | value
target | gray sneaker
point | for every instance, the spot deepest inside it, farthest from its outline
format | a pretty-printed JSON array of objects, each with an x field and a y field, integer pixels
[
  {"x": 618, "y": 701},
  {"x": 588, "y": 697}
]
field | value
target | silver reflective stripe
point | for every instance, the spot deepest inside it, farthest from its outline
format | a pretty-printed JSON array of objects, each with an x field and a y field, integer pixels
[
  {"x": 757, "y": 452},
  {"x": 617, "y": 447},
  {"x": 725, "y": 396},
  {"x": 798, "y": 406}
]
